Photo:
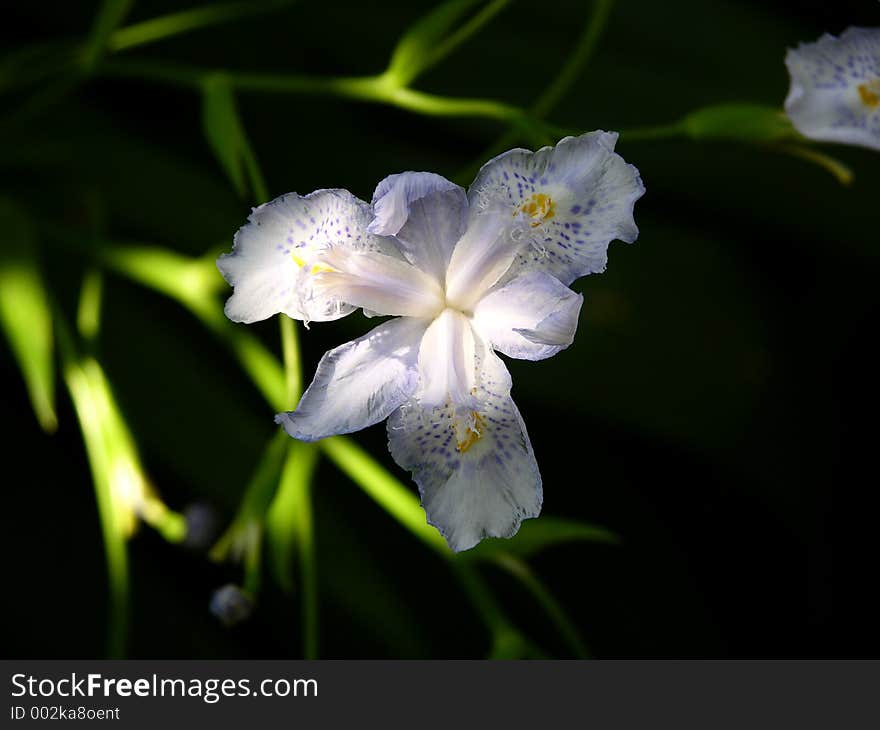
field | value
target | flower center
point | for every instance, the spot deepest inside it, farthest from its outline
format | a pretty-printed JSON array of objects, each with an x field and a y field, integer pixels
[
  {"x": 539, "y": 207},
  {"x": 870, "y": 93},
  {"x": 468, "y": 431}
]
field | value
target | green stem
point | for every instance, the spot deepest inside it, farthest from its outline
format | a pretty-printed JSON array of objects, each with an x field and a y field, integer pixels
[
  {"x": 462, "y": 34},
  {"x": 292, "y": 363},
  {"x": 398, "y": 501},
  {"x": 521, "y": 571},
  {"x": 166, "y": 26},
  {"x": 551, "y": 96},
  {"x": 840, "y": 171},
  {"x": 574, "y": 66},
  {"x": 374, "y": 89},
  {"x": 290, "y": 526}
]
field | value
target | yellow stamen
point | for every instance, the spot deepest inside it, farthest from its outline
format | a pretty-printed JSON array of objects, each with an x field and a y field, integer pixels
[
  {"x": 870, "y": 93},
  {"x": 315, "y": 268},
  {"x": 473, "y": 433},
  {"x": 539, "y": 207}
]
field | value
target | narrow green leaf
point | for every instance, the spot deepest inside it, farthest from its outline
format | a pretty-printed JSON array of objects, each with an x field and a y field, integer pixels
[
  {"x": 554, "y": 610},
  {"x": 536, "y": 535},
  {"x": 290, "y": 531},
  {"x": 109, "y": 17},
  {"x": 25, "y": 314},
  {"x": 225, "y": 133},
  {"x": 242, "y": 536}
]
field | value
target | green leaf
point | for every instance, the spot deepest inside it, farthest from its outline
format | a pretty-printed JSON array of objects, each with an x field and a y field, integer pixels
[
  {"x": 226, "y": 135},
  {"x": 434, "y": 36},
  {"x": 536, "y": 535},
  {"x": 740, "y": 122},
  {"x": 109, "y": 17},
  {"x": 25, "y": 314},
  {"x": 290, "y": 530}
]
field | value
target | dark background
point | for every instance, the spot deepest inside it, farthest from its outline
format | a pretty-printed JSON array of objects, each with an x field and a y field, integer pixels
[{"x": 718, "y": 397}]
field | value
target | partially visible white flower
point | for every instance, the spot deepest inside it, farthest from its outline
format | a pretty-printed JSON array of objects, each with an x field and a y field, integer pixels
[
  {"x": 466, "y": 273},
  {"x": 835, "y": 88}
]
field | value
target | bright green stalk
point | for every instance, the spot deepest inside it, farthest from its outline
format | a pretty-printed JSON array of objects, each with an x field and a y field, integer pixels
[
  {"x": 173, "y": 24},
  {"x": 391, "y": 495},
  {"x": 88, "y": 315},
  {"x": 290, "y": 526},
  {"x": 112, "y": 529},
  {"x": 25, "y": 312},
  {"x": 292, "y": 363},
  {"x": 374, "y": 89}
]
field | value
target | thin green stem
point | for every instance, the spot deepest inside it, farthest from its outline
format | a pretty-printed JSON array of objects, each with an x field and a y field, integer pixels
[
  {"x": 577, "y": 61},
  {"x": 374, "y": 89},
  {"x": 840, "y": 171},
  {"x": 521, "y": 571},
  {"x": 173, "y": 24},
  {"x": 290, "y": 526},
  {"x": 574, "y": 66},
  {"x": 292, "y": 363},
  {"x": 375, "y": 480},
  {"x": 463, "y": 33}
]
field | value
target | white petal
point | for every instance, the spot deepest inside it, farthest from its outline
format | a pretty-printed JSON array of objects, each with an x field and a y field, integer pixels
[
  {"x": 532, "y": 317},
  {"x": 447, "y": 361},
  {"x": 273, "y": 261},
  {"x": 835, "y": 88},
  {"x": 394, "y": 196},
  {"x": 483, "y": 255},
  {"x": 475, "y": 468},
  {"x": 426, "y": 212},
  {"x": 568, "y": 202},
  {"x": 359, "y": 383},
  {"x": 379, "y": 283}
]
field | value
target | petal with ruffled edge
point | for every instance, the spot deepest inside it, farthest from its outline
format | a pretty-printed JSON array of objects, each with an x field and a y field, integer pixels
[
  {"x": 567, "y": 202},
  {"x": 532, "y": 317},
  {"x": 275, "y": 255},
  {"x": 835, "y": 88},
  {"x": 359, "y": 383},
  {"x": 475, "y": 469},
  {"x": 426, "y": 212}
]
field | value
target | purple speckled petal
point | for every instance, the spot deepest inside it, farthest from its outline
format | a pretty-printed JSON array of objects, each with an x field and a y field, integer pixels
[
  {"x": 474, "y": 465},
  {"x": 562, "y": 205},
  {"x": 272, "y": 264},
  {"x": 835, "y": 88}
]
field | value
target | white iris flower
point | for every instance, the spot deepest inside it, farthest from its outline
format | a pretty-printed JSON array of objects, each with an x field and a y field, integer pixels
[
  {"x": 835, "y": 88},
  {"x": 464, "y": 274}
]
